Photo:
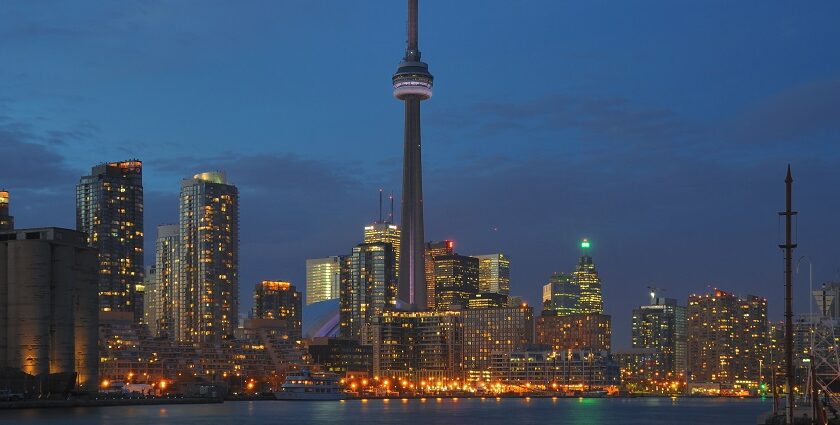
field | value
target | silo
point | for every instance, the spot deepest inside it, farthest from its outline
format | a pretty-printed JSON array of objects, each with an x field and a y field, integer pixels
[
  {"x": 29, "y": 304},
  {"x": 64, "y": 276},
  {"x": 86, "y": 311},
  {"x": 4, "y": 311}
]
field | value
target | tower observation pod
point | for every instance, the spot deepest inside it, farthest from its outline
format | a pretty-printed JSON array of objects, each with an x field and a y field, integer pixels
[{"x": 412, "y": 79}]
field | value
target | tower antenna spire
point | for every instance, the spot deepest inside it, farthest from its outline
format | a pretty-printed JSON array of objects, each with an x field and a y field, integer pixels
[{"x": 411, "y": 51}]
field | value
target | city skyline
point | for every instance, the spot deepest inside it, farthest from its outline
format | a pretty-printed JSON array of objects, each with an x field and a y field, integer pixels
[{"x": 667, "y": 249}]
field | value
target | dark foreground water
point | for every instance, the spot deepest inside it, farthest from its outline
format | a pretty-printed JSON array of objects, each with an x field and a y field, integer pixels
[{"x": 490, "y": 411}]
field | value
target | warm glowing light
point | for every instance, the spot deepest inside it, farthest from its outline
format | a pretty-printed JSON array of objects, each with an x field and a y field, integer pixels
[{"x": 105, "y": 383}]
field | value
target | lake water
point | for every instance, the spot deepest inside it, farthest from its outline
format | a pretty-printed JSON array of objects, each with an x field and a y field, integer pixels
[{"x": 490, "y": 411}]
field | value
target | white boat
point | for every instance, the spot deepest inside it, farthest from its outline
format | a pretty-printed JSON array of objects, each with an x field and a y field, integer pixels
[{"x": 306, "y": 385}]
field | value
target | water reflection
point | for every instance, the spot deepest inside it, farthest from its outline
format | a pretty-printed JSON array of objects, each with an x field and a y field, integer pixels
[{"x": 590, "y": 411}]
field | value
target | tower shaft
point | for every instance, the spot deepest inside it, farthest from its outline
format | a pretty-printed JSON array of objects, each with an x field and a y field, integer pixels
[{"x": 412, "y": 285}]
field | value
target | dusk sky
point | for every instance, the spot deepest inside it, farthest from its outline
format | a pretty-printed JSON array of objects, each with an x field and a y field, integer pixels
[{"x": 658, "y": 130}]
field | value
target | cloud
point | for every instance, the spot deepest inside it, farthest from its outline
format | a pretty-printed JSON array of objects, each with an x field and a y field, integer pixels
[
  {"x": 805, "y": 114},
  {"x": 27, "y": 162},
  {"x": 607, "y": 119}
]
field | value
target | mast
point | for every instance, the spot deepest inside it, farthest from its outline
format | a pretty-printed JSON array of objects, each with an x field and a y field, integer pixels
[{"x": 788, "y": 247}]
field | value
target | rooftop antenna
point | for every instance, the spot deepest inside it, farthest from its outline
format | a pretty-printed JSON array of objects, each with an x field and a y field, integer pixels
[
  {"x": 380, "y": 205},
  {"x": 391, "y": 214}
]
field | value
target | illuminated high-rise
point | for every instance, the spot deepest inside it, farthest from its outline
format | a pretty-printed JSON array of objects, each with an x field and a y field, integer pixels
[
  {"x": 586, "y": 277},
  {"x": 424, "y": 347},
  {"x": 494, "y": 330},
  {"x": 167, "y": 273},
  {"x": 433, "y": 250},
  {"x": 493, "y": 273},
  {"x": 109, "y": 209},
  {"x": 661, "y": 326},
  {"x": 7, "y": 222},
  {"x": 323, "y": 278},
  {"x": 207, "y": 288},
  {"x": 456, "y": 280},
  {"x": 412, "y": 84},
  {"x": 279, "y": 300},
  {"x": 369, "y": 289},
  {"x": 387, "y": 232},
  {"x": 561, "y": 295},
  {"x": 150, "y": 298},
  {"x": 726, "y": 338}
]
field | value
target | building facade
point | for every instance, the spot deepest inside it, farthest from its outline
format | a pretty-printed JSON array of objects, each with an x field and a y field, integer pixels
[
  {"x": 561, "y": 295},
  {"x": 167, "y": 273},
  {"x": 494, "y": 330},
  {"x": 586, "y": 277},
  {"x": 369, "y": 288},
  {"x": 49, "y": 315},
  {"x": 726, "y": 338},
  {"x": 662, "y": 326},
  {"x": 422, "y": 347},
  {"x": 343, "y": 356},
  {"x": 433, "y": 250},
  {"x": 7, "y": 222},
  {"x": 109, "y": 209},
  {"x": 493, "y": 273},
  {"x": 323, "y": 278},
  {"x": 150, "y": 298},
  {"x": 575, "y": 331},
  {"x": 546, "y": 369},
  {"x": 385, "y": 232},
  {"x": 207, "y": 286},
  {"x": 280, "y": 301},
  {"x": 456, "y": 280}
]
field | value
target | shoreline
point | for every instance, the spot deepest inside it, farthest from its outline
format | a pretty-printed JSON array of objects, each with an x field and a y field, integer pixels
[{"x": 51, "y": 404}]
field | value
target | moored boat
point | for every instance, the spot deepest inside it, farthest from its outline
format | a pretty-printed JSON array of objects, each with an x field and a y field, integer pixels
[{"x": 306, "y": 385}]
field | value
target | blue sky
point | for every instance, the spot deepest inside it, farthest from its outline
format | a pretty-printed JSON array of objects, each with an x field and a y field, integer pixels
[{"x": 659, "y": 130}]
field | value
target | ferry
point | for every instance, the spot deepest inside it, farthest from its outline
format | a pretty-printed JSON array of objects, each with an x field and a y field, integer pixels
[{"x": 306, "y": 385}]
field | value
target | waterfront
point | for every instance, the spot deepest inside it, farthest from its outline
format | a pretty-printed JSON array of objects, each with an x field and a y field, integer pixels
[{"x": 489, "y": 411}]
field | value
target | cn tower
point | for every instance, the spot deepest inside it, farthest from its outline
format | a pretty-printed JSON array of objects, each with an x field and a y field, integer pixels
[{"x": 412, "y": 84}]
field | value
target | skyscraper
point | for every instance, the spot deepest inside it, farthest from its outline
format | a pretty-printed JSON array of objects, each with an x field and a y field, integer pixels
[
  {"x": 109, "y": 209},
  {"x": 493, "y": 273},
  {"x": 48, "y": 304},
  {"x": 167, "y": 273},
  {"x": 323, "y": 278},
  {"x": 279, "y": 300},
  {"x": 726, "y": 338},
  {"x": 208, "y": 280},
  {"x": 661, "y": 326},
  {"x": 7, "y": 222},
  {"x": 150, "y": 299},
  {"x": 383, "y": 231},
  {"x": 490, "y": 330},
  {"x": 456, "y": 280},
  {"x": 586, "y": 277},
  {"x": 561, "y": 295},
  {"x": 433, "y": 250},
  {"x": 412, "y": 84},
  {"x": 369, "y": 289}
]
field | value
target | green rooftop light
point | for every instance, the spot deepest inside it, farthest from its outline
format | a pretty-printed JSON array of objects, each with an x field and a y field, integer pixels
[{"x": 584, "y": 244}]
